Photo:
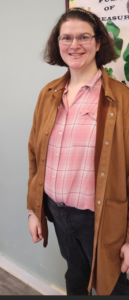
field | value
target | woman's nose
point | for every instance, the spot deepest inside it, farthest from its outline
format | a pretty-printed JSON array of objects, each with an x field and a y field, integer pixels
[{"x": 75, "y": 43}]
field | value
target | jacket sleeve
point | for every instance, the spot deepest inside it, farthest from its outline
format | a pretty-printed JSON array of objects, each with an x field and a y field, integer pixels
[
  {"x": 31, "y": 151},
  {"x": 127, "y": 238},
  {"x": 126, "y": 141}
]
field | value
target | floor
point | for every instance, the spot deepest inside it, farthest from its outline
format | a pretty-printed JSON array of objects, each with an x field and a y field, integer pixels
[{"x": 9, "y": 285}]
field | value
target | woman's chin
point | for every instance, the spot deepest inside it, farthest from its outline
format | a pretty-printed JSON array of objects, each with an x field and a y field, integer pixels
[{"x": 75, "y": 66}]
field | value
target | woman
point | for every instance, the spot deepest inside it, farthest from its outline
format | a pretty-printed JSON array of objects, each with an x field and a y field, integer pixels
[{"x": 78, "y": 156}]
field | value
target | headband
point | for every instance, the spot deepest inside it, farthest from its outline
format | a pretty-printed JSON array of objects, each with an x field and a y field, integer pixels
[{"x": 83, "y": 11}]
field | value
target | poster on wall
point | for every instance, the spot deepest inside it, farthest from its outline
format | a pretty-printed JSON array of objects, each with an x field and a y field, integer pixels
[{"x": 115, "y": 16}]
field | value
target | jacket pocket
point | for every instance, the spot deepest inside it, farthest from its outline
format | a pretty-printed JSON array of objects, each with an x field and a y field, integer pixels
[{"x": 114, "y": 223}]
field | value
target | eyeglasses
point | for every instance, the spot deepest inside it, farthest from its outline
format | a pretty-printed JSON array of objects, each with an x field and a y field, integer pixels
[{"x": 82, "y": 39}]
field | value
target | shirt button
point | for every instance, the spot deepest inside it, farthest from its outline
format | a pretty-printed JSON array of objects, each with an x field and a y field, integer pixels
[
  {"x": 99, "y": 202},
  {"x": 60, "y": 132},
  {"x": 111, "y": 114},
  {"x": 57, "y": 154},
  {"x": 55, "y": 91},
  {"x": 106, "y": 143},
  {"x": 53, "y": 176},
  {"x": 102, "y": 174}
]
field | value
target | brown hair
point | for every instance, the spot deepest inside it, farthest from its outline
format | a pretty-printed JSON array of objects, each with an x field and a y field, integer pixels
[{"x": 106, "y": 52}]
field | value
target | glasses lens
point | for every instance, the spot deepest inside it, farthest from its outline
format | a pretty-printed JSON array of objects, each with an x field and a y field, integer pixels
[
  {"x": 84, "y": 39},
  {"x": 65, "y": 39}
]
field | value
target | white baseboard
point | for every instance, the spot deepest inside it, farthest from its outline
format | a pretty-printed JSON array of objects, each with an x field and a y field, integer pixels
[{"x": 29, "y": 279}]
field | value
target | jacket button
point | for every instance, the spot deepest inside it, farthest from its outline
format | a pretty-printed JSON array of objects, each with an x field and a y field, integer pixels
[
  {"x": 38, "y": 205},
  {"x": 46, "y": 133},
  {"x": 111, "y": 114},
  {"x": 106, "y": 143},
  {"x": 43, "y": 159},
  {"x": 99, "y": 202},
  {"x": 40, "y": 182},
  {"x": 102, "y": 174},
  {"x": 55, "y": 91}
]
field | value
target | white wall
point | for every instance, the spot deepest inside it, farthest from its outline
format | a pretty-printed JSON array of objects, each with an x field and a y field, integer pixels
[{"x": 24, "y": 28}]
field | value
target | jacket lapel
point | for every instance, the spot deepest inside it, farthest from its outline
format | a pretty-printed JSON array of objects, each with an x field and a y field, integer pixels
[
  {"x": 106, "y": 97},
  {"x": 101, "y": 119}
]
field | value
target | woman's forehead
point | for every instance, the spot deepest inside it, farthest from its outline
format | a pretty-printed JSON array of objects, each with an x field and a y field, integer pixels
[{"x": 76, "y": 26}]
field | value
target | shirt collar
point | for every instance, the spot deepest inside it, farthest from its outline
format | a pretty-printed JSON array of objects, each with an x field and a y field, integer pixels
[{"x": 89, "y": 85}]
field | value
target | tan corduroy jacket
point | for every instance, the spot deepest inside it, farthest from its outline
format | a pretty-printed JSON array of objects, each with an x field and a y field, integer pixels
[{"x": 111, "y": 171}]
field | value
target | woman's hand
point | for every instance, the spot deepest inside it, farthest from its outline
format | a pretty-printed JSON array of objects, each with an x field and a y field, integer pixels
[
  {"x": 124, "y": 254},
  {"x": 35, "y": 229}
]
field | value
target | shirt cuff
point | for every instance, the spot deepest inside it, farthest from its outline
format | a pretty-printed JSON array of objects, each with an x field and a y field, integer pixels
[{"x": 30, "y": 212}]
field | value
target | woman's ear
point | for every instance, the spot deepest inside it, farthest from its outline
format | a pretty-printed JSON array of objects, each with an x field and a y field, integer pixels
[{"x": 98, "y": 44}]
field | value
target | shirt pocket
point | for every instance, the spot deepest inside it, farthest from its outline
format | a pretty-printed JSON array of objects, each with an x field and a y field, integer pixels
[
  {"x": 90, "y": 115},
  {"x": 84, "y": 130}
]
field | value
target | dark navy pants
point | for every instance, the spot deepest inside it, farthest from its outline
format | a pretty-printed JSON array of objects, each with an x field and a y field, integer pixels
[{"x": 75, "y": 233}]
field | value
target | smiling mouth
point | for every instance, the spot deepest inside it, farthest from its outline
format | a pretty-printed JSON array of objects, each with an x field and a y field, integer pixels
[{"x": 76, "y": 54}]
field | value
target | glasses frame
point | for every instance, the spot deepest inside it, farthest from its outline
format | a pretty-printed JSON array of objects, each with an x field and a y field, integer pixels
[{"x": 75, "y": 37}]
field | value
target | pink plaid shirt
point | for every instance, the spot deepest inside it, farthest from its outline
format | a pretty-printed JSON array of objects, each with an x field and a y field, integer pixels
[{"x": 70, "y": 170}]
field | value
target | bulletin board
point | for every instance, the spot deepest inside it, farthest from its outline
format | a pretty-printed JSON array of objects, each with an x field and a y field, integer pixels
[{"x": 115, "y": 16}]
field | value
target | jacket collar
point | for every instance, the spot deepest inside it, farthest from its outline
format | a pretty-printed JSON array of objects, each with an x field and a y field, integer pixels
[
  {"x": 61, "y": 82},
  {"x": 106, "y": 85}
]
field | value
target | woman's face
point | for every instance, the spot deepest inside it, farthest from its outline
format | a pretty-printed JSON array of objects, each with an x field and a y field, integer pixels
[{"x": 78, "y": 56}]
